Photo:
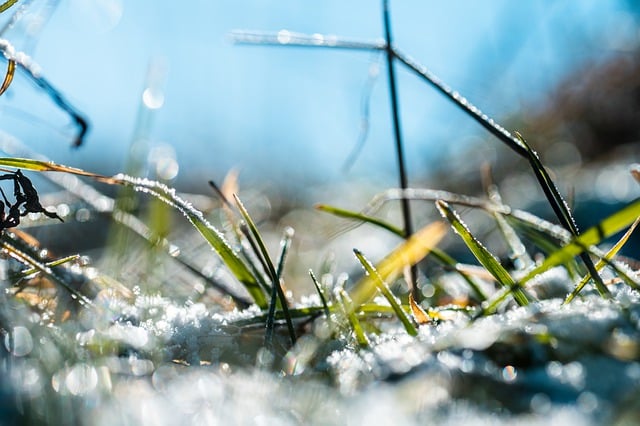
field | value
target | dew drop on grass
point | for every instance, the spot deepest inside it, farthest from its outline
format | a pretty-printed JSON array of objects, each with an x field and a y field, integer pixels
[
  {"x": 284, "y": 37},
  {"x": 153, "y": 98}
]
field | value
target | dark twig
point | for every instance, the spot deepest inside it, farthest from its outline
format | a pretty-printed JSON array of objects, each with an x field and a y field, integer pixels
[{"x": 395, "y": 115}]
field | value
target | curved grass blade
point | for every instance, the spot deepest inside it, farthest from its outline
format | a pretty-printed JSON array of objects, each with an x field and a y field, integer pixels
[
  {"x": 386, "y": 292},
  {"x": 487, "y": 260},
  {"x": 408, "y": 253},
  {"x": 208, "y": 232},
  {"x": 275, "y": 279},
  {"x": 602, "y": 262},
  {"x": 8, "y": 77}
]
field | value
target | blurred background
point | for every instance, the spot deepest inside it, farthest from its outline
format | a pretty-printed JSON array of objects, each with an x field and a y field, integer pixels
[{"x": 290, "y": 118}]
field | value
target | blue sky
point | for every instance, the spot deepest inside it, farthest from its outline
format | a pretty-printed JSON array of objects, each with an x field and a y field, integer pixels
[{"x": 285, "y": 114}]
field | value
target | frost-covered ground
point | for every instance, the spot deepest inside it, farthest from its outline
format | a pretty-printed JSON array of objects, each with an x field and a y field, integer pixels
[{"x": 158, "y": 363}]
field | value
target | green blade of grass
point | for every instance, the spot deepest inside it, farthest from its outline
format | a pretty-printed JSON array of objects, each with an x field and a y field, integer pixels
[
  {"x": 336, "y": 211},
  {"x": 408, "y": 253},
  {"x": 491, "y": 264},
  {"x": 323, "y": 299},
  {"x": 51, "y": 264},
  {"x": 602, "y": 262},
  {"x": 348, "y": 307},
  {"x": 285, "y": 243},
  {"x": 386, "y": 292},
  {"x": 215, "y": 239},
  {"x": 45, "y": 270},
  {"x": 270, "y": 269}
]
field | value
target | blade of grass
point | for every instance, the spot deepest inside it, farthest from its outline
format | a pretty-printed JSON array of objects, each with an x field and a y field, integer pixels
[
  {"x": 485, "y": 258},
  {"x": 386, "y": 292},
  {"x": 323, "y": 299},
  {"x": 7, "y": 4},
  {"x": 275, "y": 279},
  {"x": 348, "y": 307},
  {"x": 601, "y": 263},
  {"x": 8, "y": 78},
  {"x": 409, "y": 252},
  {"x": 285, "y": 243},
  {"x": 45, "y": 270},
  {"x": 419, "y": 314},
  {"x": 208, "y": 232},
  {"x": 57, "y": 262},
  {"x": 336, "y": 211}
]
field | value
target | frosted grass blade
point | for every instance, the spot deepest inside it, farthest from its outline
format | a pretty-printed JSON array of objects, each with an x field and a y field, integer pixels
[
  {"x": 386, "y": 292},
  {"x": 408, "y": 253},
  {"x": 349, "y": 311},
  {"x": 275, "y": 279},
  {"x": 485, "y": 258}
]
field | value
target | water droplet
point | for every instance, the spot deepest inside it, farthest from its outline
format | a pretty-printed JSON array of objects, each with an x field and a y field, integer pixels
[
  {"x": 153, "y": 98},
  {"x": 19, "y": 342},
  {"x": 63, "y": 210},
  {"x": 82, "y": 379},
  {"x": 83, "y": 215},
  {"x": 587, "y": 402},
  {"x": 284, "y": 36},
  {"x": 509, "y": 373},
  {"x": 540, "y": 403}
]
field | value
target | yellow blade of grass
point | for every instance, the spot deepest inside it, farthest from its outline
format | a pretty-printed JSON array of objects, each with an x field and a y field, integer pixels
[
  {"x": 602, "y": 262},
  {"x": 491, "y": 264},
  {"x": 48, "y": 166},
  {"x": 7, "y": 4},
  {"x": 419, "y": 314},
  {"x": 386, "y": 292},
  {"x": 8, "y": 78},
  {"x": 408, "y": 253}
]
